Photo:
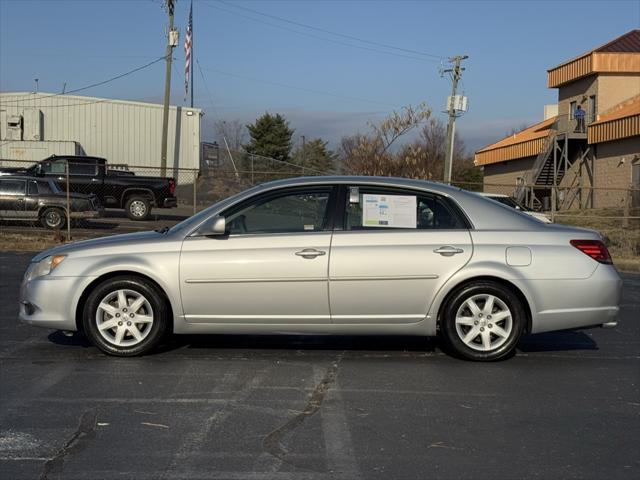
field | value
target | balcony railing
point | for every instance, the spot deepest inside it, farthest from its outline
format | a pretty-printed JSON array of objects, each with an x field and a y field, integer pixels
[{"x": 568, "y": 123}]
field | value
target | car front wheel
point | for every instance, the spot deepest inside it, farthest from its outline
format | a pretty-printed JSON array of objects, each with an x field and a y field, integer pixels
[
  {"x": 483, "y": 321},
  {"x": 125, "y": 316}
]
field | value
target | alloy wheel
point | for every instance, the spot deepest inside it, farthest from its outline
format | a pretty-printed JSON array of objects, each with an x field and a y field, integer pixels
[
  {"x": 138, "y": 208},
  {"x": 484, "y": 322},
  {"x": 124, "y": 318}
]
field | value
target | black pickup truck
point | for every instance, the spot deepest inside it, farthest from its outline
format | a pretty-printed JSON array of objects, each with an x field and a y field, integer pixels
[{"x": 136, "y": 194}]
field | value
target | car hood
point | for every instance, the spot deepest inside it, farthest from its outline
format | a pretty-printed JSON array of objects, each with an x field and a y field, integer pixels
[{"x": 128, "y": 242}]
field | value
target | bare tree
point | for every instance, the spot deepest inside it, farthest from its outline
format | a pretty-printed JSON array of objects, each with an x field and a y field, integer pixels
[
  {"x": 423, "y": 158},
  {"x": 234, "y": 131},
  {"x": 370, "y": 154}
]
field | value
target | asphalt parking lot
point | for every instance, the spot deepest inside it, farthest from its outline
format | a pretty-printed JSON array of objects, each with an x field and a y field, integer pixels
[{"x": 246, "y": 407}]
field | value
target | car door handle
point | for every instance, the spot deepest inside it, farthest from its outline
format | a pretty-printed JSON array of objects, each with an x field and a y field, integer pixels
[
  {"x": 310, "y": 253},
  {"x": 448, "y": 251}
]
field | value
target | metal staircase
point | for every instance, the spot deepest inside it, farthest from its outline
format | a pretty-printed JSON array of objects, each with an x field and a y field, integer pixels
[{"x": 542, "y": 169}]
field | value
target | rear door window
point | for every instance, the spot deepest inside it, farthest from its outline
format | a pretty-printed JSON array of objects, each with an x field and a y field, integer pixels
[
  {"x": 387, "y": 209},
  {"x": 83, "y": 168},
  {"x": 12, "y": 187}
]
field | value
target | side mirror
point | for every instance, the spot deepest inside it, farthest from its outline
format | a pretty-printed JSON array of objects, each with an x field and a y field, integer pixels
[{"x": 214, "y": 226}]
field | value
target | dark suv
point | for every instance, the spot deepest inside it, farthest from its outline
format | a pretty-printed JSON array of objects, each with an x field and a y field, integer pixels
[{"x": 40, "y": 199}]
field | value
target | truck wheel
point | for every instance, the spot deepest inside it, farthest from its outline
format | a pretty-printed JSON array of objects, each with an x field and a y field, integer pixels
[
  {"x": 138, "y": 208},
  {"x": 53, "y": 217}
]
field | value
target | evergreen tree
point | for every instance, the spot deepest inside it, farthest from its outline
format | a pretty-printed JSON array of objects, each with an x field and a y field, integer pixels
[
  {"x": 270, "y": 137},
  {"x": 316, "y": 157}
]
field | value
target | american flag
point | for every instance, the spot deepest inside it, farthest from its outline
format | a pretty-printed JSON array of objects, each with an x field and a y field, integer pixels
[{"x": 187, "y": 51}]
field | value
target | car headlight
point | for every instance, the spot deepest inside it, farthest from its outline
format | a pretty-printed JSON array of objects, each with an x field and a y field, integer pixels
[{"x": 43, "y": 267}]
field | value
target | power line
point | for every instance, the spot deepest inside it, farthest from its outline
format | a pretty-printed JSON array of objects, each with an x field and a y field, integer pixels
[
  {"x": 93, "y": 85},
  {"x": 206, "y": 87},
  {"x": 318, "y": 29},
  {"x": 284, "y": 85},
  {"x": 306, "y": 34}
]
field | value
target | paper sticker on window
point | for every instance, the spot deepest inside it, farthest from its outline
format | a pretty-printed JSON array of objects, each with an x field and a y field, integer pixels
[
  {"x": 392, "y": 211},
  {"x": 309, "y": 227}
]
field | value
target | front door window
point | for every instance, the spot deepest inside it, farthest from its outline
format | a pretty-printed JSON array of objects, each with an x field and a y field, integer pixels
[{"x": 294, "y": 212}]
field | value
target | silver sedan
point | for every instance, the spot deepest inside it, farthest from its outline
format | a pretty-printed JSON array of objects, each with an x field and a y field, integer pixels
[{"x": 331, "y": 255}]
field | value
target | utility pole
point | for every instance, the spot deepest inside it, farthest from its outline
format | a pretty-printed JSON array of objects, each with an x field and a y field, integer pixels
[
  {"x": 304, "y": 152},
  {"x": 456, "y": 74},
  {"x": 172, "y": 41},
  {"x": 193, "y": 57}
]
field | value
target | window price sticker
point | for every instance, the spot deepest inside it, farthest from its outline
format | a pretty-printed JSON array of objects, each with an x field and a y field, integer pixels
[{"x": 391, "y": 211}]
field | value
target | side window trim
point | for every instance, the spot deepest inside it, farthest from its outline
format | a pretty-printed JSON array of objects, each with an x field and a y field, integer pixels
[{"x": 266, "y": 196}]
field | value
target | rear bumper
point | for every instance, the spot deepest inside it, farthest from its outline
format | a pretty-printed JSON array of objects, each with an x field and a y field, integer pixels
[
  {"x": 591, "y": 302},
  {"x": 170, "y": 202}
]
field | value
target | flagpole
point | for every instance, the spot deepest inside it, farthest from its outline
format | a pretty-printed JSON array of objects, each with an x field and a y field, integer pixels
[{"x": 193, "y": 58}]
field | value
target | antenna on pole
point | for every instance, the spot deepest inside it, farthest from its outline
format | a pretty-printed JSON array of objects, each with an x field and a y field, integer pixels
[{"x": 455, "y": 104}]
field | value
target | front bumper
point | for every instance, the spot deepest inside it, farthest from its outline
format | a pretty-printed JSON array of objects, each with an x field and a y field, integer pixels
[
  {"x": 170, "y": 202},
  {"x": 50, "y": 301}
]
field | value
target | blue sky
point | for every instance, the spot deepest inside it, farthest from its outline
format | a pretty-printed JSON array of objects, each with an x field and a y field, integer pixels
[{"x": 324, "y": 84}]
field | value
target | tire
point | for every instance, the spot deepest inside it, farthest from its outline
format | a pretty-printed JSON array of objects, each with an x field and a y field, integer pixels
[
  {"x": 53, "y": 217},
  {"x": 138, "y": 208},
  {"x": 125, "y": 328},
  {"x": 483, "y": 321}
]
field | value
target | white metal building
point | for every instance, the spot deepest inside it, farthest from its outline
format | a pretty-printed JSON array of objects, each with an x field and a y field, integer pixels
[{"x": 36, "y": 125}]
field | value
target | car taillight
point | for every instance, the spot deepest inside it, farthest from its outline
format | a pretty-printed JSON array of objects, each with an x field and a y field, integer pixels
[
  {"x": 172, "y": 186},
  {"x": 595, "y": 249}
]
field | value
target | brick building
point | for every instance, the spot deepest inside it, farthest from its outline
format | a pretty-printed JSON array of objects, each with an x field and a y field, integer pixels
[{"x": 605, "y": 83}]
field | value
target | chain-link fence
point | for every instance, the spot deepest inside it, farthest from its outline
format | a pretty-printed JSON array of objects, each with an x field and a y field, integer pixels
[{"x": 102, "y": 199}]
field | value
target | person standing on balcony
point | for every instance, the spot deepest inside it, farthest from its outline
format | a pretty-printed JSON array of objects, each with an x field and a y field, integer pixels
[{"x": 579, "y": 116}]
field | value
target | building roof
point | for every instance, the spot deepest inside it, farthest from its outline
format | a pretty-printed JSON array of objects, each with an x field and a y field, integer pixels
[
  {"x": 624, "y": 109},
  {"x": 629, "y": 42},
  {"x": 621, "y": 55},
  {"x": 28, "y": 99},
  {"x": 526, "y": 143},
  {"x": 622, "y": 121}
]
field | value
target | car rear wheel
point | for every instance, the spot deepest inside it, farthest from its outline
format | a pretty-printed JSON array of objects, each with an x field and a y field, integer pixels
[
  {"x": 138, "y": 208},
  {"x": 53, "y": 217},
  {"x": 125, "y": 316},
  {"x": 483, "y": 321}
]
